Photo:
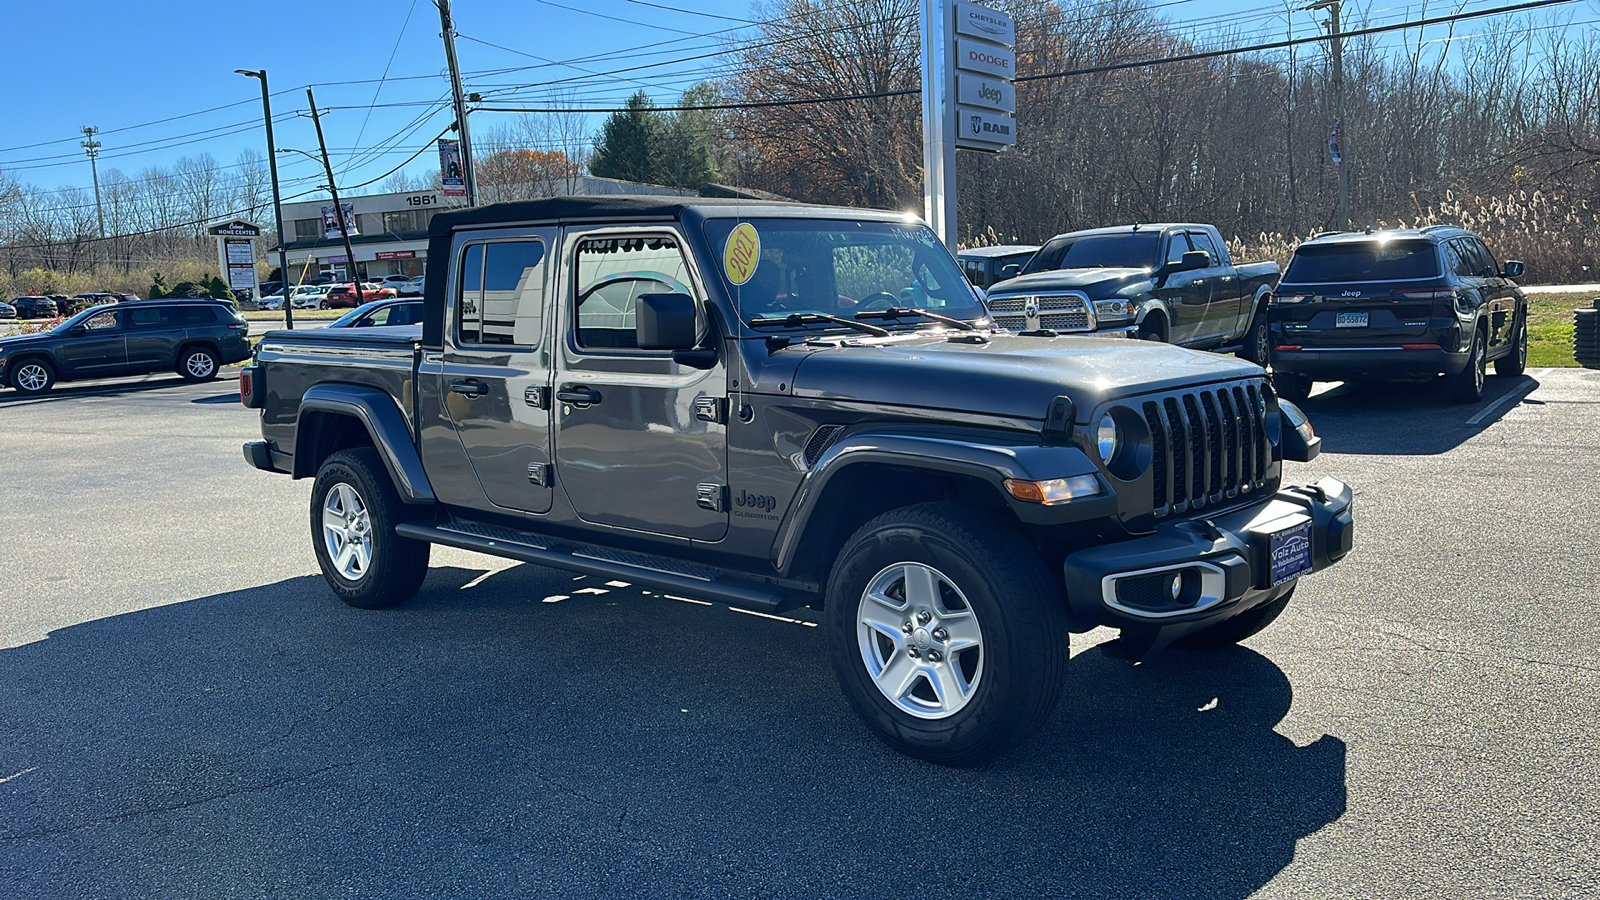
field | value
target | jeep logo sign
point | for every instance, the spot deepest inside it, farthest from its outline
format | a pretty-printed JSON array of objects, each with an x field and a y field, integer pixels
[{"x": 989, "y": 93}]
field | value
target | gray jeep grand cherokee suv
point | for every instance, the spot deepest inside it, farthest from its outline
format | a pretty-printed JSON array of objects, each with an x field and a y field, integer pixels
[{"x": 191, "y": 337}]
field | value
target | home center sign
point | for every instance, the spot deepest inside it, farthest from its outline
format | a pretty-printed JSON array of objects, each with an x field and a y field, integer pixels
[{"x": 236, "y": 256}]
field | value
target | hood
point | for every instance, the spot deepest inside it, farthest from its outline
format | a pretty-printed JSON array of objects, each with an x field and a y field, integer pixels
[
  {"x": 1097, "y": 283},
  {"x": 15, "y": 339},
  {"x": 1010, "y": 376}
]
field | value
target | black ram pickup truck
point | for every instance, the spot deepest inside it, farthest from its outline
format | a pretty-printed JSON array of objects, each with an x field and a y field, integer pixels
[
  {"x": 1172, "y": 282},
  {"x": 774, "y": 406}
]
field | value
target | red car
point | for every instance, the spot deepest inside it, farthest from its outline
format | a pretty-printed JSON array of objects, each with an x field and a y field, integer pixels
[{"x": 345, "y": 295}]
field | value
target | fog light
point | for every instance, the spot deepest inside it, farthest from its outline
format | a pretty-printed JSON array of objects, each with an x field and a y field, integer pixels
[
  {"x": 1054, "y": 491},
  {"x": 1177, "y": 587}
]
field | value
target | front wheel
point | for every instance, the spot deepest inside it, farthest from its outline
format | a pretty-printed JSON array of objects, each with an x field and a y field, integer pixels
[
  {"x": 1515, "y": 362},
  {"x": 948, "y": 636},
  {"x": 33, "y": 376},
  {"x": 354, "y": 510}
]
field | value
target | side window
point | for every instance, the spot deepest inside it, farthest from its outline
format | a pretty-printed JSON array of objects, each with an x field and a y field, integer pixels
[
  {"x": 1203, "y": 241},
  {"x": 1488, "y": 267},
  {"x": 502, "y": 294},
  {"x": 612, "y": 273},
  {"x": 145, "y": 318},
  {"x": 105, "y": 321},
  {"x": 1459, "y": 257},
  {"x": 1178, "y": 246}
]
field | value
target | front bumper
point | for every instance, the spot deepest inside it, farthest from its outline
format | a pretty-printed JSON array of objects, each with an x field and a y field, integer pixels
[{"x": 1222, "y": 563}]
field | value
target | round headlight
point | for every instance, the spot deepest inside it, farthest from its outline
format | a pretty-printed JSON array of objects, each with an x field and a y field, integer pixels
[{"x": 1106, "y": 437}]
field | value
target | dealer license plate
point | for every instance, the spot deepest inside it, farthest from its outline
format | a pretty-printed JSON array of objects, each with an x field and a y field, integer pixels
[
  {"x": 1350, "y": 320},
  {"x": 1289, "y": 553}
]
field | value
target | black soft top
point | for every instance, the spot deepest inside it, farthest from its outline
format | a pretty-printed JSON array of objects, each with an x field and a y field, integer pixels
[{"x": 577, "y": 208}]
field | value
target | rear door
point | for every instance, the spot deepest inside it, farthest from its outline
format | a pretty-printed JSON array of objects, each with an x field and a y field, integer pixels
[
  {"x": 493, "y": 375},
  {"x": 101, "y": 350},
  {"x": 153, "y": 337},
  {"x": 641, "y": 439}
]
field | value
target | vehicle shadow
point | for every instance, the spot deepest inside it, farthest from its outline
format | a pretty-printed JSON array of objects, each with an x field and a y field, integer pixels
[
  {"x": 72, "y": 390},
  {"x": 534, "y": 733},
  {"x": 1408, "y": 418}
]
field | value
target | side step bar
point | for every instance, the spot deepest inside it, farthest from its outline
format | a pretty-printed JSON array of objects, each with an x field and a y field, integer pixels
[{"x": 701, "y": 582}]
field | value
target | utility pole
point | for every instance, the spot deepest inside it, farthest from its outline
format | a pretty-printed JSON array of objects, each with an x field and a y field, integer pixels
[
  {"x": 92, "y": 148},
  {"x": 338, "y": 210},
  {"x": 1332, "y": 6},
  {"x": 449, "y": 35},
  {"x": 277, "y": 198}
]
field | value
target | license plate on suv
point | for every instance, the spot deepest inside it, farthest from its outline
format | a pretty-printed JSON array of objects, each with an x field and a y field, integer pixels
[
  {"x": 1289, "y": 553},
  {"x": 1350, "y": 320}
]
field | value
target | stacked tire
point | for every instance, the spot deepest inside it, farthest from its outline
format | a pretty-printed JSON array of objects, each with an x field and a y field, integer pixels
[{"x": 1586, "y": 337}]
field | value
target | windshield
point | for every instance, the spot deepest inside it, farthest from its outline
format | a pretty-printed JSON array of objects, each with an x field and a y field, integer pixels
[
  {"x": 1366, "y": 261},
  {"x": 838, "y": 268},
  {"x": 1120, "y": 250}
]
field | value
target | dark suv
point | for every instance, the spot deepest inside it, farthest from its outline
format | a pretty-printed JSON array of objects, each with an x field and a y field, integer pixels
[
  {"x": 35, "y": 307},
  {"x": 1397, "y": 305},
  {"x": 191, "y": 337}
]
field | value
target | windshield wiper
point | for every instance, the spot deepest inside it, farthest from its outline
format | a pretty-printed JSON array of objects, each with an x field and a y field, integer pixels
[
  {"x": 895, "y": 312},
  {"x": 802, "y": 318}
]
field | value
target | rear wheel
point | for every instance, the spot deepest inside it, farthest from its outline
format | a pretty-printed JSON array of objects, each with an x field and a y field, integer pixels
[
  {"x": 1292, "y": 387},
  {"x": 1257, "y": 342},
  {"x": 1467, "y": 387},
  {"x": 948, "y": 636},
  {"x": 198, "y": 364},
  {"x": 1516, "y": 361},
  {"x": 354, "y": 510},
  {"x": 1246, "y": 624},
  {"x": 33, "y": 376}
]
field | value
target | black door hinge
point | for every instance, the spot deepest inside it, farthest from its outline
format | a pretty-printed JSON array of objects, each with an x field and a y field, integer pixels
[
  {"x": 711, "y": 496},
  {"x": 711, "y": 409}
]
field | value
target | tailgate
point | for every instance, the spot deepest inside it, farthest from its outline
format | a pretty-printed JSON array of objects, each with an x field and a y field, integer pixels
[{"x": 1356, "y": 315}]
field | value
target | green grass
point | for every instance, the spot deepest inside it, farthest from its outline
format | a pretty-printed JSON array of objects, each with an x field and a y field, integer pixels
[
  {"x": 1550, "y": 328},
  {"x": 300, "y": 315}
]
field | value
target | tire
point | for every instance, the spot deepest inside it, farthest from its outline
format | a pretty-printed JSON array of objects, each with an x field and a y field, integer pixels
[
  {"x": 1292, "y": 387},
  {"x": 1467, "y": 387},
  {"x": 1153, "y": 329},
  {"x": 198, "y": 364},
  {"x": 322, "y": 304},
  {"x": 1257, "y": 340},
  {"x": 1515, "y": 362},
  {"x": 1246, "y": 624},
  {"x": 354, "y": 505},
  {"x": 916, "y": 581},
  {"x": 33, "y": 376}
]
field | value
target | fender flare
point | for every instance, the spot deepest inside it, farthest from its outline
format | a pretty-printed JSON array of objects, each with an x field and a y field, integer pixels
[
  {"x": 986, "y": 460},
  {"x": 1262, "y": 293},
  {"x": 380, "y": 414}
]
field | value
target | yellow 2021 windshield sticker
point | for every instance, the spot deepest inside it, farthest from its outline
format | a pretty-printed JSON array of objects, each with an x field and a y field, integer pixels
[{"x": 743, "y": 253}]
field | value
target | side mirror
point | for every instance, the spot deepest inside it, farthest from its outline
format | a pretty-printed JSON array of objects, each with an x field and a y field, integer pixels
[
  {"x": 1513, "y": 268},
  {"x": 665, "y": 322},
  {"x": 1010, "y": 270},
  {"x": 77, "y": 331},
  {"x": 1194, "y": 259},
  {"x": 1300, "y": 441}
]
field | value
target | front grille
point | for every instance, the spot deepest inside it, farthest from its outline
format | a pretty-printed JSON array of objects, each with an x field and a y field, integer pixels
[
  {"x": 1209, "y": 446},
  {"x": 1057, "y": 312}
]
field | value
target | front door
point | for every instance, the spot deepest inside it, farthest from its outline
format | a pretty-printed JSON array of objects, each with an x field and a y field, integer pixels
[
  {"x": 102, "y": 348},
  {"x": 493, "y": 377},
  {"x": 641, "y": 440},
  {"x": 1187, "y": 293}
]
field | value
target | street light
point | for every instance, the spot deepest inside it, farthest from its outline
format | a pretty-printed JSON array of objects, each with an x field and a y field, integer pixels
[{"x": 277, "y": 197}]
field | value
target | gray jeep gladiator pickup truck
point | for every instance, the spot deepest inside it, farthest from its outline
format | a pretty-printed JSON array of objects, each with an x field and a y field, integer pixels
[
  {"x": 774, "y": 406},
  {"x": 1165, "y": 282}
]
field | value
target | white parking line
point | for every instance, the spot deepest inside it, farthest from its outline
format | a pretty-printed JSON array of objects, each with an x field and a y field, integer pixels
[{"x": 1494, "y": 407}]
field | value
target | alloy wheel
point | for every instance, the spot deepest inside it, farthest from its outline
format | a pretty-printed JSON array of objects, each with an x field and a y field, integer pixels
[
  {"x": 347, "y": 531},
  {"x": 200, "y": 365},
  {"x": 920, "y": 640},
  {"x": 31, "y": 377}
]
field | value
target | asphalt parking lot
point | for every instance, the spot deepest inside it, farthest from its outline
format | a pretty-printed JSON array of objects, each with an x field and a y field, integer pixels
[{"x": 185, "y": 711}]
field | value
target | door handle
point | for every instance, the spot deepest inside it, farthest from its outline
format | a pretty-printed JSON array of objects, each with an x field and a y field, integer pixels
[
  {"x": 469, "y": 389},
  {"x": 578, "y": 396}
]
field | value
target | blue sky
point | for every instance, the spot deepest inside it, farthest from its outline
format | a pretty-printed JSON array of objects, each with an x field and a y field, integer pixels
[{"x": 122, "y": 66}]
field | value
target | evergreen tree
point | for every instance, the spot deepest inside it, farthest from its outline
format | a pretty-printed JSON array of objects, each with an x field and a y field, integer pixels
[
  {"x": 628, "y": 141},
  {"x": 682, "y": 156},
  {"x": 218, "y": 288},
  {"x": 158, "y": 288}
]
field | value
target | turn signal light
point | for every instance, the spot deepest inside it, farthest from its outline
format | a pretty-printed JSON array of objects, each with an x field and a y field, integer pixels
[{"x": 1053, "y": 491}]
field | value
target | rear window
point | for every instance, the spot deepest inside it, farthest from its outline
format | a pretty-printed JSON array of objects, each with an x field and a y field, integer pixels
[
  {"x": 1374, "y": 261},
  {"x": 193, "y": 315}
]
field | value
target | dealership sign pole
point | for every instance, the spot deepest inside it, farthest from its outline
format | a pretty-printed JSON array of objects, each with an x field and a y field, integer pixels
[
  {"x": 236, "y": 258},
  {"x": 969, "y": 98}
]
